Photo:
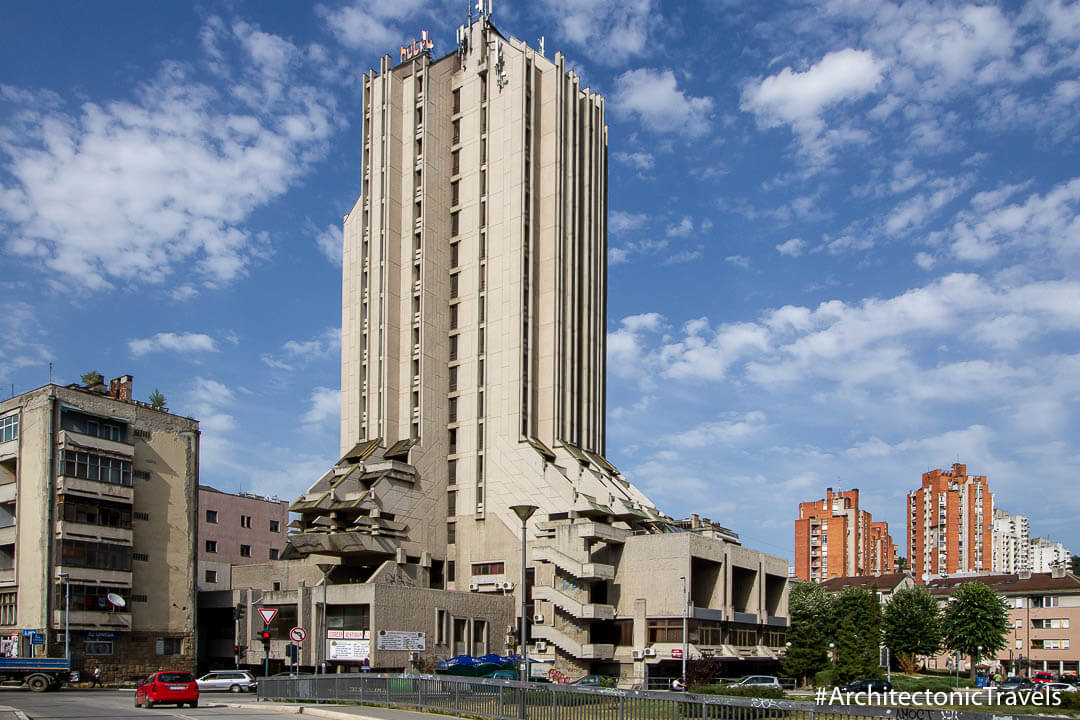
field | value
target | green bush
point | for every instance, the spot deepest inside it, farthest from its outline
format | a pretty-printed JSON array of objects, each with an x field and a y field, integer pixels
[
  {"x": 758, "y": 692},
  {"x": 933, "y": 684}
]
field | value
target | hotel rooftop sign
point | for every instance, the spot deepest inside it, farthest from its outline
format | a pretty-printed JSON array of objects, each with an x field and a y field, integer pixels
[{"x": 408, "y": 52}]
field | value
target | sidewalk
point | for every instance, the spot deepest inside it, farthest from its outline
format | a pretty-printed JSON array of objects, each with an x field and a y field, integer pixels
[{"x": 336, "y": 712}]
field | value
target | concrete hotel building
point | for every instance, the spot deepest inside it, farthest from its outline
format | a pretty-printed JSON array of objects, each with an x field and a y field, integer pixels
[
  {"x": 950, "y": 524},
  {"x": 237, "y": 529},
  {"x": 473, "y": 375},
  {"x": 835, "y": 538},
  {"x": 1012, "y": 543},
  {"x": 97, "y": 497}
]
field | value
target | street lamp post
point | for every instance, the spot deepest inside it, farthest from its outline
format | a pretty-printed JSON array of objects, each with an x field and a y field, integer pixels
[
  {"x": 685, "y": 603},
  {"x": 524, "y": 512},
  {"x": 321, "y": 635},
  {"x": 67, "y": 614}
]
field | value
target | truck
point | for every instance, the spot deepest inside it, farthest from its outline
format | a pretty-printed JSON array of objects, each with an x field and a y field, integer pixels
[{"x": 39, "y": 674}]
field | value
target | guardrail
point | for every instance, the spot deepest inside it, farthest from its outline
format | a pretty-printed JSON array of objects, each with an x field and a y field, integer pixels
[{"x": 508, "y": 700}]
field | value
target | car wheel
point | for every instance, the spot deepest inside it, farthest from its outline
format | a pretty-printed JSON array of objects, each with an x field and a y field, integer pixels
[
  {"x": 194, "y": 703},
  {"x": 235, "y": 689}
]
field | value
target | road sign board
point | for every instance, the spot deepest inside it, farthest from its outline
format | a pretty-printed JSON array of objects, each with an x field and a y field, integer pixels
[
  {"x": 676, "y": 653},
  {"x": 268, "y": 614},
  {"x": 298, "y": 634},
  {"x": 37, "y": 639}
]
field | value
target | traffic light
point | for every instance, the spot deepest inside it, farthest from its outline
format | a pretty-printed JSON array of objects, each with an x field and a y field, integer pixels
[
  {"x": 238, "y": 611},
  {"x": 265, "y": 635},
  {"x": 235, "y": 649},
  {"x": 292, "y": 652}
]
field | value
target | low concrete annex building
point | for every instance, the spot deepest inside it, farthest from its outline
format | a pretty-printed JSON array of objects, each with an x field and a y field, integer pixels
[{"x": 97, "y": 499}]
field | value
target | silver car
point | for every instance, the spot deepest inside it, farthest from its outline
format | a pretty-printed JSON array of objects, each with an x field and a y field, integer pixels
[{"x": 227, "y": 681}]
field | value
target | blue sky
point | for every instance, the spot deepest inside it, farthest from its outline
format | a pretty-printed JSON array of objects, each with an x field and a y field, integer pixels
[{"x": 844, "y": 237}]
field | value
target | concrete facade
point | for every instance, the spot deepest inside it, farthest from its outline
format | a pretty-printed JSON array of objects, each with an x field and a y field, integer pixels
[
  {"x": 1044, "y": 555},
  {"x": 835, "y": 537},
  {"x": 100, "y": 490},
  {"x": 473, "y": 375},
  {"x": 1012, "y": 543},
  {"x": 950, "y": 524},
  {"x": 237, "y": 529}
]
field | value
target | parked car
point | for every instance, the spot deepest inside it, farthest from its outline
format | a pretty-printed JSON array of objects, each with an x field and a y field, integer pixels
[
  {"x": 867, "y": 686},
  {"x": 167, "y": 686},
  {"x": 227, "y": 680},
  {"x": 504, "y": 675},
  {"x": 1012, "y": 684},
  {"x": 1042, "y": 677},
  {"x": 594, "y": 681},
  {"x": 770, "y": 681},
  {"x": 1059, "y": 687}
]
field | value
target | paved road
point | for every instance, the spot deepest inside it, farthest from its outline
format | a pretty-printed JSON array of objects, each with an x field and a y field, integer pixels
[{"x": 99, "y": 704}]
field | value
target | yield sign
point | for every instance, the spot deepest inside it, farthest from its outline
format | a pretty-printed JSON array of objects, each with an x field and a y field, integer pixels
[{"x": 268, "y": 614}]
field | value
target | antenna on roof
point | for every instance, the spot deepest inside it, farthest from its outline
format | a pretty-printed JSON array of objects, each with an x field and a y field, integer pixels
[{"x": 541, "y": 44}]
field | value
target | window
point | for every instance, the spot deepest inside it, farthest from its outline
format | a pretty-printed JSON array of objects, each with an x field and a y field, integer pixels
[
  {"x": 440, "y": 627},
  {"x": 9, "y": 428},
  {"x": 451, "y": 502},
  {"x": 211, "y": 516},
  {"x": 141, "y": 557},
  {"x": 211, "y": 576},
  {"x": 98, "y": 647},
  {"x": 452, "y": 472},
  {"x": 141, "y": 515},
  {"x": 451, "y": 533},
  {"x": 104, "y": 514},
  {"x": 277, "y": 586},
  {"x": 8, "y": 616},
  {"x": 275, "y": 526},
  {"x": 664, "y": 630},
  {"x": 450, "y": 570},
  {"x": 170, "y": 646},
  {"x": 245, "y": 521},
  {"x": 211, "y": 546},
  {"x": 273, "y": 553},
  {"x": 91, "y": 425},
  {"x": 95, "y": 467},
  {"x": 100, "y": 556},
  {"x": 245, "y": 551},
  {"x": 489, "y": 568}
]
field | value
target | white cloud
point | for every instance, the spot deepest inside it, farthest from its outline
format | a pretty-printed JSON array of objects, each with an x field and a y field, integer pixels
[
  {"x": 299, "y": 353},
  {"x": 639, "y": 160},
  {"x": 208, "y": 402},
  {"x": 184, "y": 343},
  {"x": 925, "y": 260},
  {"x": 706, "y": 354},
  {"x": 369, "y": 25},
  {"x": 792, "y": 248},
  {"x": 329, "y": 242},
  {"x": 684, "y": 256},
  {"x": 653, "y": 96},
  {"x": 132, "y": 191},
  {"x": 738, "y": 260},
  {"x": 612, "y": 31},
  {"x": 680, "y": 229},
  {"x": 721, "y": 432},
  {"x": 325, "y": 406},
  {"x": 621, "y": 222},
  {"x": 24, "y": 336},
  {"x": 799, "y": 98}
]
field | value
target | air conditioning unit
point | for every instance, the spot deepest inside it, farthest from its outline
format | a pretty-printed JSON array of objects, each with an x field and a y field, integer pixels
[
  {"x": 538, "y": 618},
  {"x": 473, "y": 587},
  {"x": 650, "y": 652},
  {"x": 638, "y": 654},
  {"x": 541, "y": 646},
  {"x": 506, "y": 585}
]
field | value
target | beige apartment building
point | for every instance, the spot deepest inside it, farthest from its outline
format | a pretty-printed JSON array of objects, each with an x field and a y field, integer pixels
[
  {"x": 474, "y": 379},
  {"x": 237, "y": 529},
  {"x": 1044, "y": 614},
  {"x": 97, "y": 501}
]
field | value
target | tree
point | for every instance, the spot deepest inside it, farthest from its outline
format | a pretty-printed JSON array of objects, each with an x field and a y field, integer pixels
[
  {"x": 156, "y": 399},
  {"x": 92, "y": 378},
  {"x": 810, "y": 611},
  {"x": 975, "y": 617},
  {"x": 858, "y": 635},
  {"x": 901, "y": 563},
  {"x": 912, "y": 625},
  {"x": 703, "y": 671},
  {"x": 1076, "y": 564}
]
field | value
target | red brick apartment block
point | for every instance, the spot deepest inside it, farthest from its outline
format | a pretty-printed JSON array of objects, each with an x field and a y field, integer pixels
[
  {"x": 950, "y": 524},
  {"x": 835, "y": 538}
]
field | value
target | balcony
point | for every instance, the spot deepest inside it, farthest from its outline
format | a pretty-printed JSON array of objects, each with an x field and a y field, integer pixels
[
  {"x": 93, "y": 619},
  {"x": 7, "y": 576},
  {"x": 7, "y": 492},
  {"x": 92, "y": 576},
  {"x": 93, "y": 533},
  {"x": 72, "y": 440},
  {"x": 9, "y": 449},
  {"x": 7, "y": 535},
  {"x": 95, "y": 489}
]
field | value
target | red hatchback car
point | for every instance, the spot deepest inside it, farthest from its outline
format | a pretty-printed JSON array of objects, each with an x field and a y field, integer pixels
[{"x": 167, "y": 686}]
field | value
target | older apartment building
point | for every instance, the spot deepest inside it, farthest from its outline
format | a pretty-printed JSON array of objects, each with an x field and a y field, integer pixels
[
  {"x": 950, "y": 524},
  {"x": 1044, "y": 614},
  {"x": 97, "y": 502},
  {"x": 473, "y": 377},
  {"x": 237, "y": 529},
  {"x": 1012, "y": 543},
  {"x": 835, "y": 537}
]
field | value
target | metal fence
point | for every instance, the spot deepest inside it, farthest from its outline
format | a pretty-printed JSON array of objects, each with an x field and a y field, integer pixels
[{"x": 507, "y": 700}]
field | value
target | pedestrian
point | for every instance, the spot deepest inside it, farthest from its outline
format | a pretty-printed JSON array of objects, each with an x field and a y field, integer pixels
[
  {"x": 97, "y": 678},
  {"x": 677, "y": 685}
]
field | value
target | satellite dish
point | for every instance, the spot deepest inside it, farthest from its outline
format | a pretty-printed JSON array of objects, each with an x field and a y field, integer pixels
[{"x": 116, "y": 600}]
